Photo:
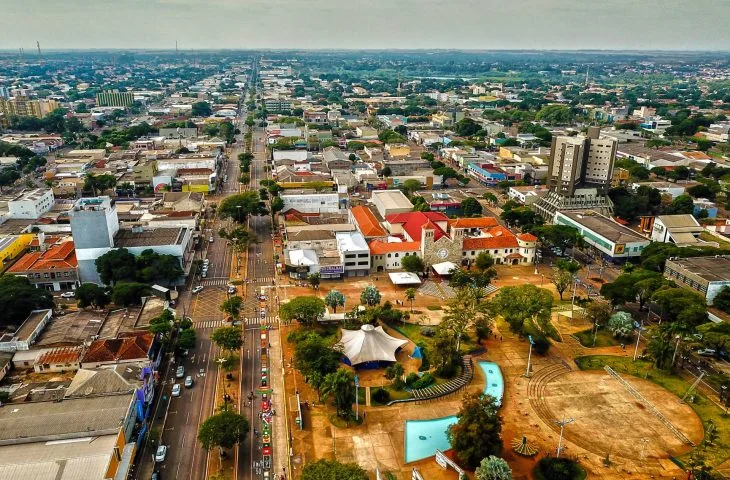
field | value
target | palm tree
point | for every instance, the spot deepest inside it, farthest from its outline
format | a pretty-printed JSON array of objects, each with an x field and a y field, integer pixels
[
  {"x": 340, "y": 384},
  {"x": 410, "y": 296}
]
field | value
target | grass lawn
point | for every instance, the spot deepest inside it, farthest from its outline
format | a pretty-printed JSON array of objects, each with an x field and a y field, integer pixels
[
  {"x": 603, "y": 338},
  {"x": 413, "y": 332},
  {"x": 705, "y": 409},
  {"x": 708, "y": 237}
]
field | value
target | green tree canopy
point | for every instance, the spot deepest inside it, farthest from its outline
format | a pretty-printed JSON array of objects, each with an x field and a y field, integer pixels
[
  {"x": 477, "y": 433},
  {"x": 91, "y": 294},
  {"x": 201, "y": 109},
  {"x": 681, "y": 305},
  {"x": 493, "y": 468},
  {"x": 18, "y": 297},
  {"x": 722, "y": 300},
  {"x": 519, "y": 304},
  {"x": 223, "y": 430},
  {"x": 232, "y": 306},
  {"x": 559, "y": 236},
  {"x": 370, "y": 296},
  {"x": 333, "y": 470},
  {"x": 413, "y": 263},
  {"x": 313, "y": 354},
  {"x": 228, "y": 338},
  {"x": 241, "y": 205},
  {"x": 306, "y": 310},
  {"x": 341, "y": 386},
  {"x": 129, "y": 293},
  {"x": 471, "y": 207},
  {"x": 334, "y": 299},
  {"x": 621, "y": 324},
  {"x": 186, "y": 339}
]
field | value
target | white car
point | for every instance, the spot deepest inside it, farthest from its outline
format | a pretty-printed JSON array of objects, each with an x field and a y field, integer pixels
[
  {"x": 161, "y": 453},
  {"x": 68, "y": 295},
  {"x": 176, "y": 390},
  {"x": 197, "y": 289},
  {"x": 232, "y": 289}
]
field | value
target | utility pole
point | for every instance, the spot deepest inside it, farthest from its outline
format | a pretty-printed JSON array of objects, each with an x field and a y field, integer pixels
[
  {"x": 562, "y": 424},
  {"x": 529, "y": 357},
  {"x": 638, "y": 337},
  {"x": 357, "y": 404}
]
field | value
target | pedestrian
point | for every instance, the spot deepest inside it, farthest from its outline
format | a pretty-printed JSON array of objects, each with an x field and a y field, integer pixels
[{"x": 500, "y": 338}]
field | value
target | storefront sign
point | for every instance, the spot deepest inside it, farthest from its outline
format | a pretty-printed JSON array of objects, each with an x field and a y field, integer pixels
[{"x": 331, "y": 269}]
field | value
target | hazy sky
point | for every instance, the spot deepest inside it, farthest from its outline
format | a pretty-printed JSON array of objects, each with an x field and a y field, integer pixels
[{"x": 476, "y": 24}]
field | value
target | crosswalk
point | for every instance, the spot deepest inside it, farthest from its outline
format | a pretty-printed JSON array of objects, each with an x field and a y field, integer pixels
[
  {"x": 248, "y": 322},
  {"x": 214, "y": 282}
]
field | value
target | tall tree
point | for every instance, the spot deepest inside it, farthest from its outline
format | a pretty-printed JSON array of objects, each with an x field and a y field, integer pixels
[
  {"x": 228, "y": 338},
  {"x": 370, "y": 296},
  {"x": 241, "y": 205},
  {"x": 410, "y": 296},
  {"x": 333, "y": 470},
  {"x": 493, "y": 468},
  {"x": 341, "y": 386},
  {"x": 413, "y": 263},
  {"x": 334, "y": 299},
  {"x": 471, "y": 207},
  {"x": 116, "y": 265},
  {"x": 314, "y": 354},
  {"x": 314, "y": 280},
  {"x": 521, "y": 303},
  {"x": 91, "y": 294},
  {"x": 232, "y": 307},
  {"x": 129, "y": 293},
  {"x": 223, "y": 430},
  {"x": 562, "y": 280},
  {"x": 18, "y": 297},
  {"x": 558, "y": 236},
  {"x": 477, "y": 432},
  {"x": 306, "y": 310},
  {"x": 484, "y": 261}
]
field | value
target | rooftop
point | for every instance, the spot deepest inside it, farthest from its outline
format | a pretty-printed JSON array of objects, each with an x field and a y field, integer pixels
[
  {"x": 368, "y": 223},
  {"x": 59, "y": 256},
  {"x": 605, "y": 227},
  {"x": 127, "y": 238},
  {"x": 351, "y": 241},
  {"x": 712, "y": 269},
  {"x": 132, "y": 347},
  {"x": 30, "y": 324},
  {"x": 110, "y": 380},
  {"x": 72, "y": 329},
  {"x": 378, "y": 247},
  {"x": 392, "y": 199},
  {"x": 71, "y": 418},
  {"x": 60, "y": 355}
]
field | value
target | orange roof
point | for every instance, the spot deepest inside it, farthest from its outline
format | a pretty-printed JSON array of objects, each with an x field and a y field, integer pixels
[
  {"x": 369, "y": 225},
  {"x": 696, "y": 155},
  {"x": 495, "y": 238},
  {"x": 378, "y": 247},
  {"x": 116, "y": 349},
  {"x": 60, "y": 355},
  {"x": 59, "y": 256},
  {"x": 527, "y": 237},
  {"x": 477, "y": 222}
]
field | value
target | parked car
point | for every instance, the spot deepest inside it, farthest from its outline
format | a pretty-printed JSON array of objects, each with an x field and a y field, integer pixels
[
  {"x": 176, "y": 391},
  {"x": 706, "y": 352},
  {"x": 161, "y": 453},
  {"x": 263, "y": 312},
  {"x": 180, "y": 372},
  {"x": 211, "y": 239},
  {"x": 188, "y": 381},
  {"x": 204, "y": 274},
  {"x": 156, "y": 475},
  {"x": 198, "y": 289},
  {"x": 68, "y": 295},
  {"x": 232, "y": 289}
]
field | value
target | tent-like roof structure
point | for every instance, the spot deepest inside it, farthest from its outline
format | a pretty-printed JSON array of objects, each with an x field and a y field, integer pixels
[
  {"x": 404, "y": 278},
  {"x": 369, "y": 344},
  {"x": 445, "y": 268}
]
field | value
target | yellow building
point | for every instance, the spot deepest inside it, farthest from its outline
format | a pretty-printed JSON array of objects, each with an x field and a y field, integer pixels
[
  {"x": 11, "y": 246},
  {"x": 25, "y": 107}
]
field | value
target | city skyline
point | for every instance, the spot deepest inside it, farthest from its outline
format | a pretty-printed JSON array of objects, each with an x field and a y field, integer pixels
[{"x": 406, "y": 24}]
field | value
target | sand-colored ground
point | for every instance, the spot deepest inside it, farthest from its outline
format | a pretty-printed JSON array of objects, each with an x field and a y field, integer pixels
[{"x": 608, "y": 420}]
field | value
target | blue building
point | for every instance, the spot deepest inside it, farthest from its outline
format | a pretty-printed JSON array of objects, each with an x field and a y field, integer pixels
[{"x": 486, "y": 174}]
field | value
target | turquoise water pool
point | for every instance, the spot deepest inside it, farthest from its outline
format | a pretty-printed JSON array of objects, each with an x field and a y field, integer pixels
[
  {"x": 424, "y": 437},
  {"x": 495, "y": 382}
]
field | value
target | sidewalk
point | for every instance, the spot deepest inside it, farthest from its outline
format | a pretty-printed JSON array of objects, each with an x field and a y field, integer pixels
[{"x": 280, "y": 431}]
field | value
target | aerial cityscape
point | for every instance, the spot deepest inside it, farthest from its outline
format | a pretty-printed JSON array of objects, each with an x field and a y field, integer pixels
[{"x": 388, "y": 253}]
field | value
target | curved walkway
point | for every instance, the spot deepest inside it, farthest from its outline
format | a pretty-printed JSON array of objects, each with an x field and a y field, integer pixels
[{"x": 438, "y": 391}]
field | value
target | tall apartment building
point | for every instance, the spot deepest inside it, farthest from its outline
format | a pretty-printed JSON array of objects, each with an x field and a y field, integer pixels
[
  {"x": 25, "y": 107},
  {"x": 580, "y": 171},
  {"x": 114, "y": 99}
]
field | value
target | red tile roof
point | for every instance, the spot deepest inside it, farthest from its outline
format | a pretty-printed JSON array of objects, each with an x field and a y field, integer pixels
[
  {"x": 369, "y": 225},
  {"x": 496, "y": 238},
  {"x": 414, "y": 222},
  {"x": 378, "y": 247},
  {"x": 477, "y": 222},
  {"x": 527, "y": 237},
  {"x": 59, "y": 256},
  {"x": 118, "y": 349}
]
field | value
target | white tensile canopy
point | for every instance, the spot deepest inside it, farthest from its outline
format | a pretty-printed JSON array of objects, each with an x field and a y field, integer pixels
[
  {"x": 404, "y": 278},
  {"x": 444, "y": 268},
  {"x": 369, "y": 344}
]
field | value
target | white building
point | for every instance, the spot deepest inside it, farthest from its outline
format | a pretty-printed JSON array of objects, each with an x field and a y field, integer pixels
[
  {"x": 354, "y": 253},
  {"x": 613, "y": 240},
  {"x": 28, "y": 332},
  {"x": 390, "y": 201},
  {"x": 31, "y": 204},
  {"x": 315, "y": 202}
]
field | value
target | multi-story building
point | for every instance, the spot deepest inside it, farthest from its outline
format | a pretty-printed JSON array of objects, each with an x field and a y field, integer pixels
[
  {"x": 25, "y": 107},
  {"x": 580, "y": 171},
  {"x": 114, "y": 99},
  {"x": 31, "y": 204},
  {"x": 707, "y": 275},
  {"x": 53, "y": 269},
  {"x": 610, "y": 239},
  {"x": 21, "y": 338},
  {"x": 11, "y": 246},
  {"x": 306, "y": 201},
  {"x": 354, "y": 253}
]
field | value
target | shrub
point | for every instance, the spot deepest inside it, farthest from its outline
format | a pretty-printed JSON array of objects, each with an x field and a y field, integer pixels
[
  {"x": 423, "y": 382},
  {"x": 428, "y": 332},
  {"x": 425, "y": 362},
  {"x": 412, "y": 378},
  {"x": 381, "y": 395},
  {"x": 550, "y": 468}
]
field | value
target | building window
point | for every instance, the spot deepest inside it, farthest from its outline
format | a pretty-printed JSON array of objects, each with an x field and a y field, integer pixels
[
  {"x": 362, "y": 255},
  {"x": 350, "y": 264},
  {"x": 46, "y": 275},
  {"x": 362, "y": 263},
  {"x": 472, "y": 253},
  {"x": 389, "y": 255},
  {"x": 397, "y": 255}
]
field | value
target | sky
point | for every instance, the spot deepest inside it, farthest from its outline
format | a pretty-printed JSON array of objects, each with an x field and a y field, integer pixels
[{"x": 367, "y": 24}]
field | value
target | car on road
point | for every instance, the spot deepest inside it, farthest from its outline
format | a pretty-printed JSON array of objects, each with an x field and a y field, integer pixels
[
  {"x": 176, "y": 390},
  {"x": 68, "y": 295},
  {"x": 706, "y": 352},
  {"x": 180, "y": 372},
  {"x": 161, "y": 453},
  {"x": 210, "y": 239},
  {"x": 263, "y": 312},
  {"x": 156, "y": 475},
  {"x": 188, "y": 381},
  {"x": 198, "y": 289}
]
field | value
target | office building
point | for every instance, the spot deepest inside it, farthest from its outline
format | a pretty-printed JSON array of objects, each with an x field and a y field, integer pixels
[
  {"x": 25, "y": 107},
  {"x": 31, "y": 204},
  {"x": 114, "y": 99},
  {"x": 707, "y": 275},
  {"x": 580, "y": 171}
]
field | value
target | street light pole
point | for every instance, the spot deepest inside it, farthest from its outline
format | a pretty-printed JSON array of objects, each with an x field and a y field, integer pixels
[
  {"x": 529, "y": 356},
  {"x": 676, "y": 347},
  {"x": 638, "y": 337},
  {"x": 562, "y": 424},
  {"x": 357, "y": 403}
]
